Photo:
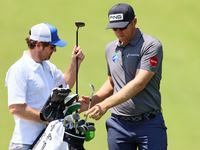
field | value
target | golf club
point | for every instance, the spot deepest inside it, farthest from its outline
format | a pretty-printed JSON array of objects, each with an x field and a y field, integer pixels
[
  {"x": 76, "y": 116},
  {"x": 78, "y": 24},
  {"x": 81, "y": 122},
  {"x": 90, "y": 99},
  {"x": 72, "y": 108},
  {"x": 70, "y": 99},
  {"x": 68, "y": 119}
]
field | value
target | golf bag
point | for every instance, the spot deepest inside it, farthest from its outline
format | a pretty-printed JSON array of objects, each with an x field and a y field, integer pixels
[
  {"x": 62, "y": 133},
  {"x": 55, "y": 137}
]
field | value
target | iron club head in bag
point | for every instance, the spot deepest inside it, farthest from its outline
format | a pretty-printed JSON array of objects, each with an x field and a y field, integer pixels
[{"x": 68, "y": 119}]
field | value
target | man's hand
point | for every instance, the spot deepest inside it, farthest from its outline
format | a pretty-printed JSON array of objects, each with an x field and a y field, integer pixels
[
  {"x": 84, "y": 103},
  {"x": 77, "y": 52},
  {"x": 96, "y": 111}
]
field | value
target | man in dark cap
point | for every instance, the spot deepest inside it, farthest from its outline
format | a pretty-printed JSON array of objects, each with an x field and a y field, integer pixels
[{"x": 134, "y": 63}]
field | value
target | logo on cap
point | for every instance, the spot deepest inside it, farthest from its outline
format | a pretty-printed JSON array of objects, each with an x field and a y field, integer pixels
[{"x": 115, "y": 17}]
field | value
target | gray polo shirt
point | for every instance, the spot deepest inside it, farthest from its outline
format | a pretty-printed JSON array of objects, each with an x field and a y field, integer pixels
[{"x": 142, "y": 52}]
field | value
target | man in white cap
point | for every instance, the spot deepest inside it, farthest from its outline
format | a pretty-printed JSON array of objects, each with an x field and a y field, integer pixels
[
  {"x": 30, "y": 82},
  {"x": 131, "y": 92}
]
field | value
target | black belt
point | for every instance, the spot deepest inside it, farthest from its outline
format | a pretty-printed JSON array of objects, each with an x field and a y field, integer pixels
[{"x": 145, "y": 116}]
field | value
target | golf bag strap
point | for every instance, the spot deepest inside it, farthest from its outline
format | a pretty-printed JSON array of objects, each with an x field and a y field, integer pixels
[{"x": 31, "y": 147}]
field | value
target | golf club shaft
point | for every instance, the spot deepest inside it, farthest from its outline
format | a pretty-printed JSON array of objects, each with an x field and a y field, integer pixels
[
  {"x": 89, "y": 104},
  {"x": 76, "y": 76},
  {"x": 88, "y": 109},
  {"x": 77, "y": 62}
]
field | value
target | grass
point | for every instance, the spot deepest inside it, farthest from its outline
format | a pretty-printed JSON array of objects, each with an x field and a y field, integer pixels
[{"x": 174, "y": 23}]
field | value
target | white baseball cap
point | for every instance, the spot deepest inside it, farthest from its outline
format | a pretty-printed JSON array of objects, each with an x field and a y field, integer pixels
[{"x": 46, "y": 33}]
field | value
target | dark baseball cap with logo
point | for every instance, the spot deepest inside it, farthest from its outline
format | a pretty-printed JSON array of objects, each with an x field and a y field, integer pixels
[{"x": 120, "y": 16}]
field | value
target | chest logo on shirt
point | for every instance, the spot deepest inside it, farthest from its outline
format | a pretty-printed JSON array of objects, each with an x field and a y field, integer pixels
[
  {"x": 132, "y": 55},
  {"x": 153, "y": 61},
  {"x": 114, "y": 58}
]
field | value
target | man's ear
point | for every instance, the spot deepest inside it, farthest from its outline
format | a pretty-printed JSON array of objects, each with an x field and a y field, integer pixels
[
  {"x": 135, "y": 21},
  {"x": 38, "y": 44}
]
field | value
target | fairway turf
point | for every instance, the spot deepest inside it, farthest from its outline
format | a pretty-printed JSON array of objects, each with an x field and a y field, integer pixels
[{"x": 175, "y": 23}]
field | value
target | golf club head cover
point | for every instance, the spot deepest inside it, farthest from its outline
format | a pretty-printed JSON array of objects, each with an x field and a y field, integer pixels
[
  {"x": 89, "y": 135},
  {"x": 75, "y": 141},
  {"x": 69, "y": 100},
  {"x": 54, "y": 106},
  {"x": 72, "y": 108}
]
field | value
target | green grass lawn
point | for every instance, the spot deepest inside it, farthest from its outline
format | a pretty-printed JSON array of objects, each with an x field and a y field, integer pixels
[{"x": 175, "y": 23}]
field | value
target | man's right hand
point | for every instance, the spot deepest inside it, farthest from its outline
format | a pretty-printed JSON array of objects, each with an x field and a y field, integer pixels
[{"x": 84, "y": 101}]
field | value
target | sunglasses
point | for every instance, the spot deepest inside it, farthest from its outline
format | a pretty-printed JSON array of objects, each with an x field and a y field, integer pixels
[
  {"x": 52, "y": 46},
  {"x": 121, "y": 29}
]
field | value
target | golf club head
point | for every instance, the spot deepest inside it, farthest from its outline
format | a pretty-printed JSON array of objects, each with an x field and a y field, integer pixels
[
  {"x": 58, "y": 94},
  {"x": 90, "y": 100},
  {"x": 69, "y": 110},
  {"x": 92, "y": 86},
  {"x": 89, "y": 135},
  {"x": 89, "y": 124},
  {"x": 70, "y": 99},
  {"x": 81, "y": 122},
  {"x": 76, "y": 116},
  {"x": 92, "y": 91},
  {"x": 69, "y": 118},
  {"x": 82, "y": 128},
  {"x": 79, "y": 24},
  {"x": 71, "y": 125},
  {"x": 91, "y": 128}
]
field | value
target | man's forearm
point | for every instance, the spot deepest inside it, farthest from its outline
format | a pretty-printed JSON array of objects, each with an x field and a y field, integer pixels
[
  {"x": 130, "y": 89},
  {"x": 25, "y": 112},
  {"x": 70, "y": 75},
  {"x": 105, "y": 91}
]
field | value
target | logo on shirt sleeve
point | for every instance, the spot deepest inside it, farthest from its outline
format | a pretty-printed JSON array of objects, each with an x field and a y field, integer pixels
[
  {"x": 114, "y": 58},
  {"x": 153, "y": 61}
]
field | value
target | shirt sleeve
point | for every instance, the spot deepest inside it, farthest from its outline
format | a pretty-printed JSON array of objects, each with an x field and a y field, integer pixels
[
  {"x": 16, "y": 83},
  {"x": 152, "y": 56}
]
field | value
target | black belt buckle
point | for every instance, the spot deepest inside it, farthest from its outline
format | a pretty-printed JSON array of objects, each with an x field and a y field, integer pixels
[{"x": 152, "y": 115}]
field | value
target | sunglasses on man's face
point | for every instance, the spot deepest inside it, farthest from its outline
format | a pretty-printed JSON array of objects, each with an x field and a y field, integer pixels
[
  {"x": 52, "y": 46},
  {"x": 121, "y": 29}
]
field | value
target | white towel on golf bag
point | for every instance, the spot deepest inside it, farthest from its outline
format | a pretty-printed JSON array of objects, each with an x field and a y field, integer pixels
[{"x": 52, "y": 138}]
